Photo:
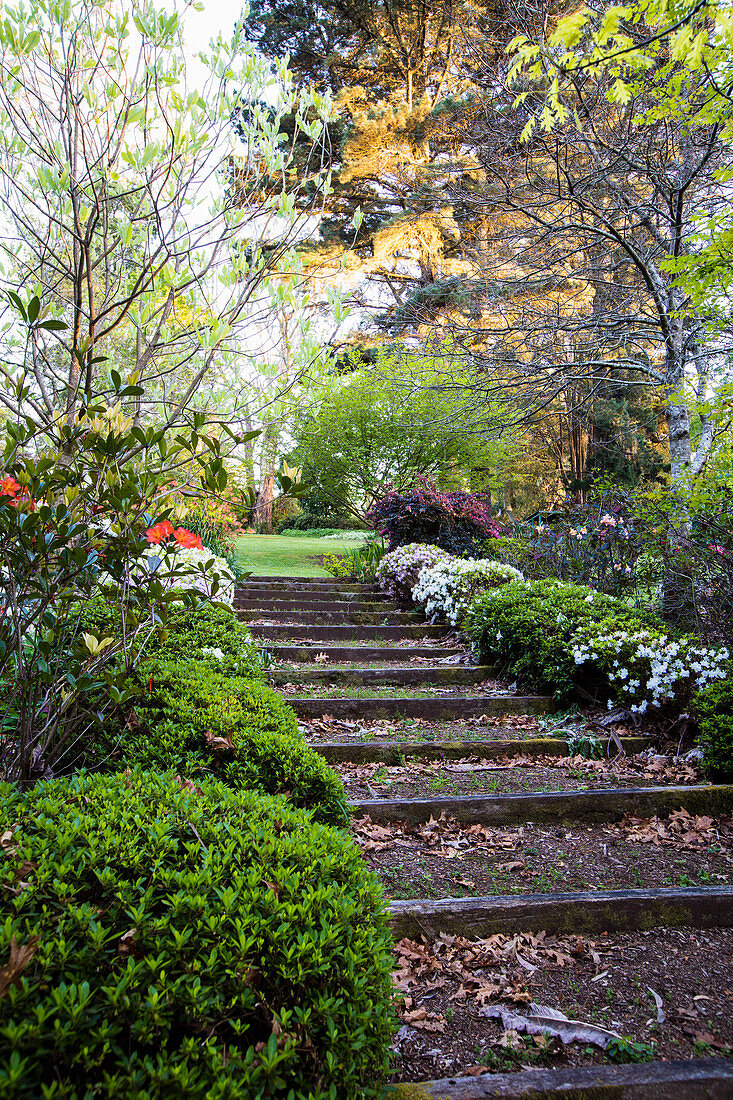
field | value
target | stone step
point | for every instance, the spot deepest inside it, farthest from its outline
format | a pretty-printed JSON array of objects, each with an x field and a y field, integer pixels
[
  {"x": 346, "y": 632},
  {"x": 428, "y": 674},
  {"x": 576, "y": 912},
  {"x": 453, "y": 707},
  {"x": 694, "y": 1079},
  {"x": 337, "y": 618},
  {"x": 359, "y": 654},
  {"x": 341, "y": 607},
  {"x": 288, "y": 592},
  {"x": 295, "y": 582},
  {"x": 396, "y": 752},
  {"x": 565, "y": 806}
]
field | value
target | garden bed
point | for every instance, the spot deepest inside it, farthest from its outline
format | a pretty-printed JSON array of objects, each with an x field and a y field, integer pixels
[
  {"x": 668, "y": 991},
  {"x": 444, "y": 859}
]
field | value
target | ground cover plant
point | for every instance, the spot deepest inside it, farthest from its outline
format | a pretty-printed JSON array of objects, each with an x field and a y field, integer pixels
[
  {"x": 177, "y": 939},
  {"x": 713, "y": 708}
]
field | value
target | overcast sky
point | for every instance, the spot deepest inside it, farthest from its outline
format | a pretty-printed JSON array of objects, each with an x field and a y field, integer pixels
[{"x": 218, "y": 17}]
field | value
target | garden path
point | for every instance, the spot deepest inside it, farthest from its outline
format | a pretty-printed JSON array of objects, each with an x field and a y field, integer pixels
[{"x": 525, "y": 865}]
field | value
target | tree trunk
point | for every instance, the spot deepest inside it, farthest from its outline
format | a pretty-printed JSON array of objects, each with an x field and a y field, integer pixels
[
  {"x": 678, "y": 595},
  {"x": 263, "y": 506}
]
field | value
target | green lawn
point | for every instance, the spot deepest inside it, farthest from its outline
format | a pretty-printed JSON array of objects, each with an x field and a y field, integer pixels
[{"x": 280, "y": 556}]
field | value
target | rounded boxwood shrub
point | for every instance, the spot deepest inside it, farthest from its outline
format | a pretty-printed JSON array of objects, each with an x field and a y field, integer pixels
[
  {"x": 172, "y": 940},
  {"x": 188, "y": 717},
  {"x": 713, "y": 708},
  {"x": 202, "y": 631}
]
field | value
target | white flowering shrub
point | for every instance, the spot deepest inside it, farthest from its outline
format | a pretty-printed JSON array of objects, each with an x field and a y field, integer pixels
[
  {"x": 191, "y": 568},
  {"x": 398, "y": 571},
  {"x": 446, "y": 588},
  {"x": 646, "y": 668}
]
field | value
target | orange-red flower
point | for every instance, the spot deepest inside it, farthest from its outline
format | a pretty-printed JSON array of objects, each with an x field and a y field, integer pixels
[
  {"x": 160, "y": 532},
  {"x": 188, "y": 539},
  {"x": 9, "y": 487}
]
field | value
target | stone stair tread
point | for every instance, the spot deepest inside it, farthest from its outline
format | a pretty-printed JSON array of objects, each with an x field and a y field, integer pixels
[
  {"x": 339, "y": 653},
  {"x": 345, "y": 606},
  {"x": 355, "y": 631},
  {"x": 448, "y": 675},
  {"x": 573, "y": 911},
  {"x": 597, "y": 805},
  {"x": 435, "y": 707},
  {"x": 324, "y": 618},
  {"x": 693, "y": 1079},
  {"x": 284, "y": 578},
  {"x": 358, "y": 752}
]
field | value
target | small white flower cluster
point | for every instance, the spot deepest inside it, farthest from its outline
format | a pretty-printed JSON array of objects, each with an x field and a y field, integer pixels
[
  {"x": 647, "y": 668},
  {"x": 398, "y": 571},
  {"x": 447, "y": 588},
  {"x": 201, "y": 568},
  {"x": 212, "y": 651}
]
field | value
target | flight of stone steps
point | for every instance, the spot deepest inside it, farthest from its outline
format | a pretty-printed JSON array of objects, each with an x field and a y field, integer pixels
[{"x": 343, "y": 651}]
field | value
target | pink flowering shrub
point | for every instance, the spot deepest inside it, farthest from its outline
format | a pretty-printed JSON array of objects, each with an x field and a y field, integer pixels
[
  {"x": 455, "y": 521},
  {"x": 591, "y": 545}
]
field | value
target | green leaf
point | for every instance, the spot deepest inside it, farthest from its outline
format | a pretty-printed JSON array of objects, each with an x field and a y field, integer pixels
[{"x": 15, "y": 300}]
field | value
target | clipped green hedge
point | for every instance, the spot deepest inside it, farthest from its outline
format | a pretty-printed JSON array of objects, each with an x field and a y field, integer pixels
[
  {"x": 175, "y": 942},
  {"x": 528, "y": 627},
  {"x": 713, "y": 708},
  {"x": 190, "y": 718},
  {"x": 188, "y": 632}
]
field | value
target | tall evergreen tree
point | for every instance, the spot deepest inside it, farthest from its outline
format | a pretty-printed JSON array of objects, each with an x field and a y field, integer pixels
[{"x": 398, "y": 70}]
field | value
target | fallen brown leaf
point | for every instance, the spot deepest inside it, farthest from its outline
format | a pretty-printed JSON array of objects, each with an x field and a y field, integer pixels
[{"x": 20, "y": 956}]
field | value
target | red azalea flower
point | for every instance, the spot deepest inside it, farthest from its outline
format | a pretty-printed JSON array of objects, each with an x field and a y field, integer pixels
[
  {"x": 188, "y": 539},
  {"x": 9, "y": 487},
  {"x": 160, "y": 532}
]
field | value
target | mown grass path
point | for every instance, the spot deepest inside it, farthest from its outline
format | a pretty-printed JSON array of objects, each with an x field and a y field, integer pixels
[{"x": 288, "y": 556}]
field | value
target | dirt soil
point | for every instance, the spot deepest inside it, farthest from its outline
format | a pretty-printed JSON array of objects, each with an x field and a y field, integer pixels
[
  {"x": 393, "y": 665},
  {"x": 483, "y": 727},
  {"x": 667, "y": 993},
  {"x": 510, "y": 775},
  {"x": 445, "y": 859},
  {"x": 492, "y": 688},
  {"x": 446, "y": 641}
]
